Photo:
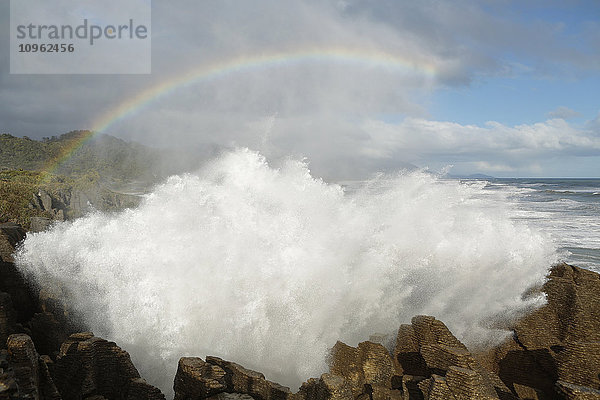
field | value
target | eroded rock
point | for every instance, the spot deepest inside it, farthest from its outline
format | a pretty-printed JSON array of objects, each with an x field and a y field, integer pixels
[
  {"x": 368, "y": 368},
  {"x": 24, "y": 300},
  {"x": 88, "y": 365},
  {"x": 39, "y": 224},
  {"x": 7, "y": 317},
  {"x": 23, "y": 359},
  {"x": 242, "y": 380},
  {"x": 559, "y": 341},
  {"x": 328, "y": 387},
  {"x": 196, "y": 379}
]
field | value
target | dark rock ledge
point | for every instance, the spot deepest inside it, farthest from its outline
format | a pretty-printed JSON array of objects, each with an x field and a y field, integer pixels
[{"x": 554, "y": 353}]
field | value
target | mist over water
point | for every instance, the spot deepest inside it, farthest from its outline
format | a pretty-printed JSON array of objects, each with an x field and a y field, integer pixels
[{"x": 268, "y": 266}]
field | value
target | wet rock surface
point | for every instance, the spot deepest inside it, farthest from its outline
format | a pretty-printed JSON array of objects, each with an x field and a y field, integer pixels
[
  {"x": 559, "y": 341},
  {"x": 553, "y": 353},
  {"x": 42, "y": 357},
  {"x": 88, "y": 365},
  {"x": 73, "y": 203},
  {"x": 12, "y": 282}
]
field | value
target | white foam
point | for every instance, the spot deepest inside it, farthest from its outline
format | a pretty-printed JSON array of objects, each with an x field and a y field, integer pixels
[{"x": 269, "y": 267}]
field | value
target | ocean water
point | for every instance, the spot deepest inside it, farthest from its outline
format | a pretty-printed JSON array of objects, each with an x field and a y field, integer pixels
[
  {"x": 270, "y": 266},
  {"x": 567, "y": 209}
]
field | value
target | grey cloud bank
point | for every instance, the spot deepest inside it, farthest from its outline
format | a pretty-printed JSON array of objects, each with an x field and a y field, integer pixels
[
  {"x": 564, "y": 113},
  {"x": 348, "y": 119}
]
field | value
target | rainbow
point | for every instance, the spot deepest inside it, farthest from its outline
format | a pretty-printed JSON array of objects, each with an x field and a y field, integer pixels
[{"x": 125, "y": 109}]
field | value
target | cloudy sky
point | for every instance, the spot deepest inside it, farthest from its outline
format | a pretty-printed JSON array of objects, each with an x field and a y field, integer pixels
[{"x": 505, "y": 88}]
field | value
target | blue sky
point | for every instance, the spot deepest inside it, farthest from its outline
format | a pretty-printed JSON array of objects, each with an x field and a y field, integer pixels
[
  {"x": 514, "y": 90},
  {"x": 525, "y": 96},
  {"x": 516, "y": 100}
]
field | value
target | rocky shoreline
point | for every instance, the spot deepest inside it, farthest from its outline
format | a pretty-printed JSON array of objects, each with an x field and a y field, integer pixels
[
  {"x": 554, "y": 353},
  {"x": 72, "y": 203}
]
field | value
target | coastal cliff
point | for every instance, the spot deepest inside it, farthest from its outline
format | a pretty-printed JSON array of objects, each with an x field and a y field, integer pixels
[{"x": 553, "y": 353}]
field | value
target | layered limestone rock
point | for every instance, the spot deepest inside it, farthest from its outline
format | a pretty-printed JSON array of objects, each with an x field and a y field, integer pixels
[
  {"x": 329, "y": 386},
  {"x": 7, "y": 317},
  {"x": 10, "y": 236},
  {"x": 428, "y": 362},
  {"x": 23, "y": 299},
  {"x": 242, "y": 380},
  {"x": 367, "y": 372},
  {"x": 54, "y": 322},
  {"x": 48, "y": 389},
  {"x": 88, "y": 365},
  {"x": 84, "y": 366},
  {"x": 434, "y": 362},
  {"x": 559, "y": 341},
  {"x": 197, "y": 379},
  {"x": 8, "y": 384},
  {"x": 139, "y": 389},
  {"x": 368, "y": 368},
  {"x": 23, "y": 309},
  {"x": 554, "y": 352},
  {"x": 23, "y": 359},
  {"x": 12, "y": 287},
  {"x": 434, "y": 388},
  {"x": 23, "y": 373},
  {"x": 48, "y": 332},
  {"x": 73, "y": 203}
]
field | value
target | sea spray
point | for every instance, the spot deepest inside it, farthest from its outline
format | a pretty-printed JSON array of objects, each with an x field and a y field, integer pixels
[{"x": 269, "y": 267}]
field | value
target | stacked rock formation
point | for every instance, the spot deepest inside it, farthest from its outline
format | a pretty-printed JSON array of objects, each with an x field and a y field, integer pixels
[
  {"x": 34, "y": 322},
  {"x": 428, "y": 363},
  {"x": 87, "y": 367},
  {"x": 432, "y": 360},
  {"x": 90, "y": 366},
  {"x": 558, "y": 345},
  {"x": 72, "y": 203},
  {"x": 554, "y": 353},
  {"x": 197, "y": 379},
  {"x": 11, "y": 281}
]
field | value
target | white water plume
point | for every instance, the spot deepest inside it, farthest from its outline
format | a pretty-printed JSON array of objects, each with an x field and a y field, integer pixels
[{"x": 269, "y": 267}]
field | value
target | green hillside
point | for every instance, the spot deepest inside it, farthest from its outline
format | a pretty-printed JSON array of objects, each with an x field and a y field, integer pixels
[
  {"x": 25, "y": 153},
  {"x": 92, "y": 168},
  {"x": 103, "y": 170},
  {"x": 17, "y": 188},
  {"x": 110, "y": 157}
]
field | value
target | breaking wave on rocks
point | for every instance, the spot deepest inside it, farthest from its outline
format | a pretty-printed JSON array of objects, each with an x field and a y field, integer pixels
[{"x": 269, "y": 267}]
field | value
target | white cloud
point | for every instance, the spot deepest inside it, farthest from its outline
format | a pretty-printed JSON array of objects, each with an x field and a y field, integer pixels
[
  {"x": 340, "y": 148},
  {"x": 338, "y": 114},
  {"x": 435, "y": 137},
  {"x": 493, "y": 148},
  {"x": 564, "y": 113},
  {"x": 490, "y": 167}
]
